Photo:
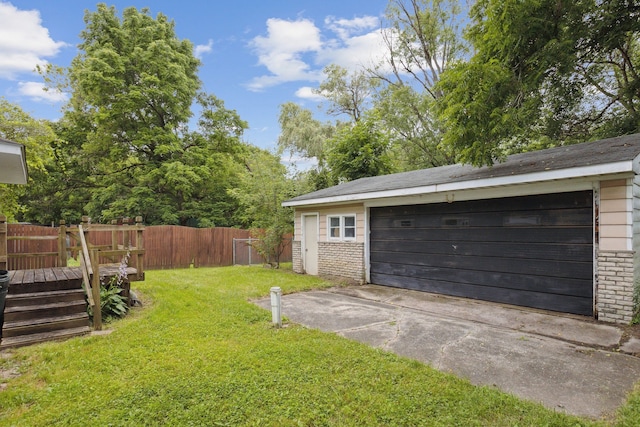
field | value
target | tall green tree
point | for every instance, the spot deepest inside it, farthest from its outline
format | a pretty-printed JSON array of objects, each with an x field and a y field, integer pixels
[
  {"x": 348, "y": 93},
  {"x": 423, "y": 39},
  {"x": 301, "y": 135},
  {"x": 360, "y": 151},
  {"x": 64, "y": 190},
  {"x": 133, "y": 84},
  {"x": 543, "y": 73}
]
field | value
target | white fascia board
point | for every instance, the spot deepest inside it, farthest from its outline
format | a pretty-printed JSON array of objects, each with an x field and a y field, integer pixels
[
  {"x": 13, "y": 166},
  {"x": 636, "y": 165},
  {"x": 534, "y": 177}
]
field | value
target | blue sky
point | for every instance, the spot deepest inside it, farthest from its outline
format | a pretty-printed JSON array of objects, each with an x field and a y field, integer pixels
[{"x": 255, "y": 54}]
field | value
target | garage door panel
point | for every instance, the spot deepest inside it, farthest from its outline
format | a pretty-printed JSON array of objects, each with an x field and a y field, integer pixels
[
  {"x": 572, "y": 235},
  {"x": 555, "y": 218},
  {"x": 546, "y": 301},
  {"x": 568, "y": 286},
  {"x": 537, "y": 202},
  {"x": 508, "y": 250},
  {"x": 535, "y": 251},
  {"x": 551, "y": 268}
]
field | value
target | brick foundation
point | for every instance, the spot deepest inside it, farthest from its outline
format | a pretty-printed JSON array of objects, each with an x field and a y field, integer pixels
[
  {"x": 615, "y": 286},
  {"x": 341, "y": 259},
  {"x": 296, "y": 256}
]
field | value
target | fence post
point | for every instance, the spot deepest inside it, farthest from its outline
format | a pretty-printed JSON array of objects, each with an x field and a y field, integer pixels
[
  {"x": 3, "y": 243},
  {"x": 95, "y": 290},
  {"x": 126, "y": 237},
  {"x": 62, "y": 244},
  {"x": 140, "y": 247},
  {"x": 114, "y": 235},
  {"x": 234, "y": 251},
  {"x": 85, "y": 230}
]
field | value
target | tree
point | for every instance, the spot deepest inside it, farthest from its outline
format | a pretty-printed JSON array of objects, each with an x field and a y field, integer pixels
[
  {"x": 64, "y": 190},
  {"x": 37, "y": 137},
  {"x": 262, "y": 188},
  {"x": 132, "y": 86},
  {"x": 422, "y": 40},
  {"x": 543, "y": 73},
  {"x": 347, "y": 93},
  {"x": 360, "y": 151},
  {"x": 304, "y": 136}
]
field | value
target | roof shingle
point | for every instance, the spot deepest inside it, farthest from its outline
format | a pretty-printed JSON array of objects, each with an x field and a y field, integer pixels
[{"x": 612, "y": 150}]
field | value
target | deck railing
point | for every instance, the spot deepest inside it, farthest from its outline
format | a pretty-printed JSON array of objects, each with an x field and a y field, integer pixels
[
  {"x": 94, "y": 245},
  {"x": 51, "y": 247}
]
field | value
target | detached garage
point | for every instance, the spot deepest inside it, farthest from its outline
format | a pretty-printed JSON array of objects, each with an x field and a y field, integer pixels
[
  {"x": 554, "y": 229},
  {"x": 535, "y": 251}
]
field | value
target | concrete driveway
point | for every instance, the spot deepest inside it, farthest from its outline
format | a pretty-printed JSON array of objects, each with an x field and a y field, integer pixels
[{"x": 566, "y": 363}]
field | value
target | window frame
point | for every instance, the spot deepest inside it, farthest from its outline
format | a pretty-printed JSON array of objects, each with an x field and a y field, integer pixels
[{"x": 342, "y": 227}]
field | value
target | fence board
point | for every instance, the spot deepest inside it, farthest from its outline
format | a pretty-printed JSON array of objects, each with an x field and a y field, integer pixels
[
  {"x": 172, "y": 246},
  {"x": 31, "y": 246}
]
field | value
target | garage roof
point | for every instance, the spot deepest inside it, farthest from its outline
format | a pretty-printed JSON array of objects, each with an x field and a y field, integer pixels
[
  {"x": 607, "y": 156},
  {"x": 13, "y": 166}
]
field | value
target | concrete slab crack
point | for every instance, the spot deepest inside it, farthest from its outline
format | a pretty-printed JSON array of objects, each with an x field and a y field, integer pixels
[
  {"x": 359, "y": 328},
  {"x": 443, "y": 350},
  {"x": 397, "y": 319}
]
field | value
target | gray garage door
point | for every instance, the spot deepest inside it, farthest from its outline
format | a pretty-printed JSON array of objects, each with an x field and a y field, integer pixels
[{"x": 533, "y": 251}]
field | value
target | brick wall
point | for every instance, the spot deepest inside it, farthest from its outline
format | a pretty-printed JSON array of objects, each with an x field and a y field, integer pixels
[
  {"x": 615, "y": 286},
  {"x": 341, "y": 259},
  {"x": 296, "y": 256}
]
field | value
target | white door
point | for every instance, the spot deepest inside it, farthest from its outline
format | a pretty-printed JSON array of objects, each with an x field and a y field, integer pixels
[{"x": 310, "y": 256}]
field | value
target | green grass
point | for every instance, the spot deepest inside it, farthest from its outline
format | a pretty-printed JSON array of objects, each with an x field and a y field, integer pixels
[{"x": 200, "y": 354}]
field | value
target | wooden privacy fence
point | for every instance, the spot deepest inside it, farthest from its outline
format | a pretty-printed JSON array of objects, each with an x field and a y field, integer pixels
[
  {"x": 173, "y": 246},
  {"x": 166, "y": 246}
]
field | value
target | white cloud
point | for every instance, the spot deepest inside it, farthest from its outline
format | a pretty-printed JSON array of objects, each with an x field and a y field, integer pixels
[
  {"x": 38, "y": 92},
  {"x": 24, "y": 42},
  {"x": 299, "y": 50},
  {"x": 344, "y": 28},
  {"x": 356, "y": 52},
  {"x": 201, "y": 49},
  {"x": 282, "y": 50},
  {"x": 306, "y": 92}
]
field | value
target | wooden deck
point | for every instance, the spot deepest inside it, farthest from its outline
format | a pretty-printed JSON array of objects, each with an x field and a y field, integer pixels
[
  {"x": 43, "y": 276},
  {"x": 47, "y": 304}
]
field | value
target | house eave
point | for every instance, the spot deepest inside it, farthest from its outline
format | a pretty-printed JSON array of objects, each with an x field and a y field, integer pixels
[
  {"x": 600, "y": 170},
  {"x": 13, "y": 166}
]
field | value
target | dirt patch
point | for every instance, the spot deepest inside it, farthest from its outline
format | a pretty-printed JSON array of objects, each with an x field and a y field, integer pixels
[{"x": 8, "y": 369}]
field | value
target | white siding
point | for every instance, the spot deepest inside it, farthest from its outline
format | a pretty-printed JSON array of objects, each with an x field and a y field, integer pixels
[
  {"x": 616, "y": 215},
  {"x": 351, "y": 209},
  {"x": 636, "y": 226}
]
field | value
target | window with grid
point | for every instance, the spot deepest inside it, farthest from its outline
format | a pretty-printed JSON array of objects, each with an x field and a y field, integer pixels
[{"x": 342, "y": 227}]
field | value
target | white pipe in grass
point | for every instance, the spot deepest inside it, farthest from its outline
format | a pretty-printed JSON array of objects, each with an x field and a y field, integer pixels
[{"x": 276, "y": 306}]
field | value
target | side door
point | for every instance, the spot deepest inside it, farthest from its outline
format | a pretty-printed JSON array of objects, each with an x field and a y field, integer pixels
[{"x": 310, "y": 244}]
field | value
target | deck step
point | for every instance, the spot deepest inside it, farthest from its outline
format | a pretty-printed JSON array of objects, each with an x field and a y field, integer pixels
[
  {"x": 28, "y": 288},
  {"x": 23, "y": 340},
  {"x": 39, "y": 298},
  {"x": 44, "y": 325},
  {"x": 33, "y": 312}
]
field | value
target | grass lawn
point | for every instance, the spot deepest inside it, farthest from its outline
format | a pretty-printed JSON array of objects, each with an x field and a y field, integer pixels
[{"x": 200, "y": 354}]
